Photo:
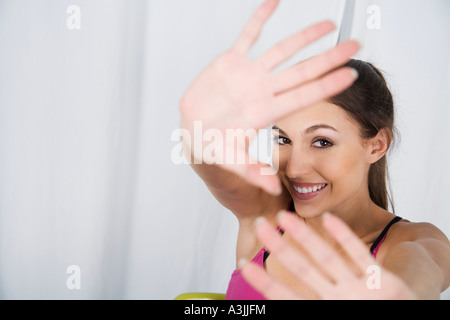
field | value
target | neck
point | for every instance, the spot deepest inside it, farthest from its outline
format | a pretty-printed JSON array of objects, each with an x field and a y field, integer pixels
[{"x": 364, "y": 217}]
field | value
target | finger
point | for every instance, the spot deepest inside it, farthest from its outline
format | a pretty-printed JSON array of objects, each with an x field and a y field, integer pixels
[
  {"x": 325, "y": 257},
  {"x": 299, "y": 265},
  {"x": 314, "y": 67},
  {"x": 236, "y": 159},
  {"x": 267, "y": 286},
  {"x": 352, "y": 245},
  {"x": 288, "y": 47},
  {"x": 260, "y": 175},
  {"x": 315, "y": 91},
  {"x": 256, "y": 173},
  {"x": 252, "y": 30}
]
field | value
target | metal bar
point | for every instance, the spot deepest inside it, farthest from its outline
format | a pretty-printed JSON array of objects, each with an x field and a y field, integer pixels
[{"x": 347, "y": 21}]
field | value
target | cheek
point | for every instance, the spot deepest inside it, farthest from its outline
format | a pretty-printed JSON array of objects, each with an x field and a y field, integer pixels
[
  {"x": 346, "y": 170},
  {"x": 343, "y": 168}
]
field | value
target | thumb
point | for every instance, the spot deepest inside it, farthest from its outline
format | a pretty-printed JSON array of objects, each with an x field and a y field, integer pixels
[{"x": 259, "y": 174}]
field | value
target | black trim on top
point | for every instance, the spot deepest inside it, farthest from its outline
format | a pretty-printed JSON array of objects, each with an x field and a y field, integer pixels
[{"x": 383, "y": 233}]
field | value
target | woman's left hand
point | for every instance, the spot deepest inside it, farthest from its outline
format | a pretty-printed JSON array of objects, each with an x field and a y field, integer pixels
[{"x": 322, "y": 268}]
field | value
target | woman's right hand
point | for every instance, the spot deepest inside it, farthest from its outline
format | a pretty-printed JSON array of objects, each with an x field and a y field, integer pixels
[{"x": 238, "y": 94}]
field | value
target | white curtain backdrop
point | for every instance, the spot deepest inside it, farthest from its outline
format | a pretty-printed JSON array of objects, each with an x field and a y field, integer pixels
[{"x": 88, "y": 106}]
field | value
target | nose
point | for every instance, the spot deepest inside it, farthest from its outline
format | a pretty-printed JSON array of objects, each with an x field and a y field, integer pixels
[{"x": 298, "y": 164}]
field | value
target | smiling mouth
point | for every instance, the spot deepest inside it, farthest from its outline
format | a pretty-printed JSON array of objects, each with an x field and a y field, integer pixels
[{"x": 306, "y": 191}]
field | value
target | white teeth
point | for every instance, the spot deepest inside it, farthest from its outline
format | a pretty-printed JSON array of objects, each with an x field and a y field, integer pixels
[{"x": 309, "y": 190}]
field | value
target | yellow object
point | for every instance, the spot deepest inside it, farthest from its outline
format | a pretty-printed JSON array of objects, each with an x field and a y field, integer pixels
[{"x": 201, "y": 296}]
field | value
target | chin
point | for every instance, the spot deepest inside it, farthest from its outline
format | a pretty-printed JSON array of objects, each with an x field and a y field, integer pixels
[{"x": 308, "y": 212}]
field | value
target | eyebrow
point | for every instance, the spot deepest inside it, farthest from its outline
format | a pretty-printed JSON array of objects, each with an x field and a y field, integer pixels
[
  {"x": 310, "y": 129},
  {"x": 278, "y": 129},
  {"x": 319, "y": 126}
]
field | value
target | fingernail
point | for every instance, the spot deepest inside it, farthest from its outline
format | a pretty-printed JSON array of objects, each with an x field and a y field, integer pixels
[
  {"x": 326, "y": 215},
  {"x": 259, "y": 221},
  {"x": 242, "y": 262},
  {"x": 355, "y": 73},
  {"x": 275, "y": 192},
  {"x": 278, "y": 191},
  {"x": 358, "y": 43},
  {"x": 281, "y": 214}
]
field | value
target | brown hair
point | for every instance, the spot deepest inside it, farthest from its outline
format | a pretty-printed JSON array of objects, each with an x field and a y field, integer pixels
[{"x": 369, "y": 102}]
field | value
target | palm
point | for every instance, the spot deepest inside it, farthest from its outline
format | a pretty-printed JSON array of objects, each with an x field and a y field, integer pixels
[
  {"x": 232, "y": 92},
  {"x": 237, "y": 93},
  {"x": 321, "y": 268}
]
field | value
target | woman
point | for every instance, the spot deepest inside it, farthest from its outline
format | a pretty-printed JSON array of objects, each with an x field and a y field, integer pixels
[{"x": 331, "y": 138}]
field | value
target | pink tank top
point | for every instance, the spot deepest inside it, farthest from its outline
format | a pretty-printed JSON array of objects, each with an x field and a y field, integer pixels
[{"x": 239, "y": 289}]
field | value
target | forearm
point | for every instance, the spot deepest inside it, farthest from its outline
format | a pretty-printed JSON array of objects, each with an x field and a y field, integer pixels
[
  {"x": 230, "y": 189},
  {"x": 412, "y": 263},
  {"x": 215, "y": 177}
]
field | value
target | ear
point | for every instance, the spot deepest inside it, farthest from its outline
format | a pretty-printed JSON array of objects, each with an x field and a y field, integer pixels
[{"x": 378, "y": 146}]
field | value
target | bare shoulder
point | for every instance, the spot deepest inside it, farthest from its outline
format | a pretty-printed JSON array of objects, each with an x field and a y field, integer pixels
[
  {"x": 416, "y": 231},
  {"x": 421, "y": 244},
  {"x": 427, "y": 235}
]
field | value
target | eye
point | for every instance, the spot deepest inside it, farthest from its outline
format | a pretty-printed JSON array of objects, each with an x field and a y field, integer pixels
[
  {"x": 281, "y": 140},
  {"x": 322, "y": 143}
]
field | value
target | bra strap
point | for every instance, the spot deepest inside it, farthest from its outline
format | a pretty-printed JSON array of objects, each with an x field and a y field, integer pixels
[{"x": 383, "y": 234}]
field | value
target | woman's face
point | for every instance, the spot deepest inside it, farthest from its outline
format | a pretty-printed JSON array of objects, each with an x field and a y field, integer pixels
[{"x": 322, "y": 160}]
